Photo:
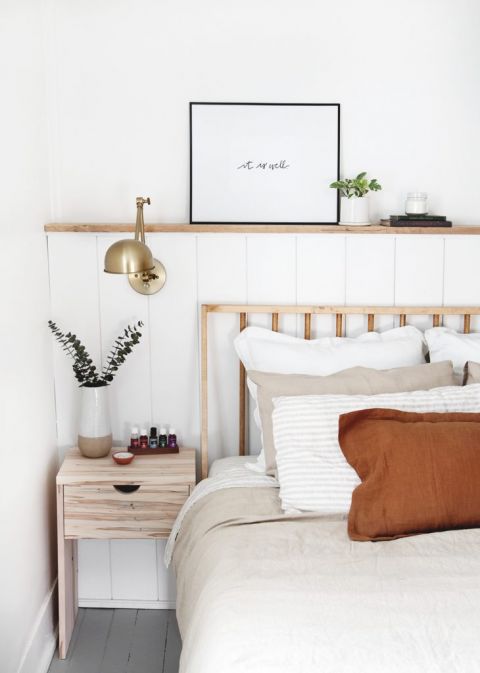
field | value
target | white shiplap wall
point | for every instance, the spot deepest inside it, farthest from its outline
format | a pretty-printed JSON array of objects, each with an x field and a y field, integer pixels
[{"x": 160, "y": 382}]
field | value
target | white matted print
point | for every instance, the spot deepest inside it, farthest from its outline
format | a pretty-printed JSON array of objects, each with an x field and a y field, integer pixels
[{"x": 264, "y": 163}]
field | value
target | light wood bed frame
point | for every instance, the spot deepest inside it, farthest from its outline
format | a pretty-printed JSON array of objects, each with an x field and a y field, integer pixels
[{"x": 243, "y": 310}]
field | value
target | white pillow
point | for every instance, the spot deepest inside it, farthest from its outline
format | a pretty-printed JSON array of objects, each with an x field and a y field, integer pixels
[
  {"x": 266, "y": 351},
  {"x": 446, "y": 344},
  {"x": 312, "y": 470},
  {"x": 222, "y": 465},
  {"x": 263, "y": 350}
]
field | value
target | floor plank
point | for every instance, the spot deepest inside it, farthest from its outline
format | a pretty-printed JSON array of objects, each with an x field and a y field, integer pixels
[
  {"x": 122, "y": 641},
  {"x": 92, "y": 639},
  {"x": 118, "y": 648},
  {"x": 148, "y": 646},
  {"x": 61, "y": 665},
  {"x": 173, "y": 645}
]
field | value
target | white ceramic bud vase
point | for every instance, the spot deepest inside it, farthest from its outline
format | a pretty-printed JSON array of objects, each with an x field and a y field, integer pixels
[
  {"x": 94, "y": 430},
  {"x": 354, "y": 211}
]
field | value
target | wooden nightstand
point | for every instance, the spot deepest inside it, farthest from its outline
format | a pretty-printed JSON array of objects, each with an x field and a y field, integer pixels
[{"x": 96, "y": 498}]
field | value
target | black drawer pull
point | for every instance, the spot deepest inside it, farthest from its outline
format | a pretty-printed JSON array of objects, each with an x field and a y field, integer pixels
[{"x": 126, "y": 488}]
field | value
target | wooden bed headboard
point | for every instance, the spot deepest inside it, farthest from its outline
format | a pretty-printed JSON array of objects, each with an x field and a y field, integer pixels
[{"x": 243, "y": 310}]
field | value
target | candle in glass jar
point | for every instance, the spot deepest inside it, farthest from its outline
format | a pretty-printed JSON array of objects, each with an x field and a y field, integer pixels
[{"x": 416, "y": 203}]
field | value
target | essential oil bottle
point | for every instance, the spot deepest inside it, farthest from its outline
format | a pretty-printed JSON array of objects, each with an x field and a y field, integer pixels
[
  {"x": 134, "y": 441},
  {"x": 172, "y": 439},
  {"x": 143, "y": 441},
  {"x": 163, "y": 440},
  {"x": 153, "y": 441}
]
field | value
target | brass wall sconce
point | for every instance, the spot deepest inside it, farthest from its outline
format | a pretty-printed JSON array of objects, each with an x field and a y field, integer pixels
[{"x": 131, "y": 256}]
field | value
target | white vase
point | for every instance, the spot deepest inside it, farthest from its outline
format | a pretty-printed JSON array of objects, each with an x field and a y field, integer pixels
[
  {"x": 355, "y": 211},
  {"x": 94, "y": 430}
]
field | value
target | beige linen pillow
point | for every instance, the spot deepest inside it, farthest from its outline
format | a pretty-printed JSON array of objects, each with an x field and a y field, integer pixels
[
  {"x": 353, "y": 381},
  {"x": 472, "y": 373}
]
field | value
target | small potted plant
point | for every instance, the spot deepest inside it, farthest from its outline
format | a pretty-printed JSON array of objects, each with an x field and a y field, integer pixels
[
  {"x": 354, "y": 193},
  {"x": 94, "y": 432}
]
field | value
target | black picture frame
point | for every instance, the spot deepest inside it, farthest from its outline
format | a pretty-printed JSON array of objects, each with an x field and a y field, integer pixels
[{"x": 335, "y": 164}]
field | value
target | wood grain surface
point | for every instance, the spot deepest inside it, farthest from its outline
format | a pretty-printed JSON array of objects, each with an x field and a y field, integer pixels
[
  {"x": 104, "y": 512},
  {"x": 175, "y": 469},
  {"x": 259, "y": 229}
]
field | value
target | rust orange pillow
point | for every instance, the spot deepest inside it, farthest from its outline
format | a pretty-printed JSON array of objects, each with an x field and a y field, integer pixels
[{"x": 420, "y": 472}]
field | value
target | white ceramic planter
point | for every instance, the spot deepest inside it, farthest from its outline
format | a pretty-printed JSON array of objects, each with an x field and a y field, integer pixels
[
  {"x": 94, "y": 430},
  {"x": 354, "y": 211}
]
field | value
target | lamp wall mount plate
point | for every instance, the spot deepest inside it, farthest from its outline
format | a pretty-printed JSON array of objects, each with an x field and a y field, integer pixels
[{"x": 149, "y": 282}]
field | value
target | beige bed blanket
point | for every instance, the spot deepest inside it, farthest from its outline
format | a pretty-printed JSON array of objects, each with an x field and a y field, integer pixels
[{"x": 260, "y": 592}]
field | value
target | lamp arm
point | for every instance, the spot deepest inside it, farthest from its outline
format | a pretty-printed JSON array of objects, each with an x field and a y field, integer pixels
[{"x": 140, "y": 225}]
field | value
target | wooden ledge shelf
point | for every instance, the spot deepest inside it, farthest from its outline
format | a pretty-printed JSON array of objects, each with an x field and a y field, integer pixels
[{"x": 258, "y": 229}]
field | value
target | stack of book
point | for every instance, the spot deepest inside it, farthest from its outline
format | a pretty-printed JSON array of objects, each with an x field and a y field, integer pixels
[{"x": 417, "y": 221}]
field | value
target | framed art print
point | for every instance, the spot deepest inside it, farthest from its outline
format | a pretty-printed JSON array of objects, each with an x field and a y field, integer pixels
[{"x": 264, "y": 163}]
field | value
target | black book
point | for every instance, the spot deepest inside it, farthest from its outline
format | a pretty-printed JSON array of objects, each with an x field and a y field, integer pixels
[{"x": 426, "y": 218}]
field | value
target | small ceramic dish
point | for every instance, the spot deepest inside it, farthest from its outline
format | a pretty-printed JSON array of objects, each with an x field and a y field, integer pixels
[{"x": 123, "y": 457}]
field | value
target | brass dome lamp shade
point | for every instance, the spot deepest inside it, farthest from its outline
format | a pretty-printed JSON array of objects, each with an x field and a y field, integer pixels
[{"x": 131, "y": 256}]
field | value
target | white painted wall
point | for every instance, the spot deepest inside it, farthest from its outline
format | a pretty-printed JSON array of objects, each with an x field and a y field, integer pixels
[
  {"x": 27, "y": 416},
  {"x": 123, "y": 73},
  {"x": 405, "y": 73}
]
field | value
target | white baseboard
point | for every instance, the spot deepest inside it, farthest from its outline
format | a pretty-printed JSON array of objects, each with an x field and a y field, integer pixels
[
  {"x": 42, "y": 642},
  {"x": 118, "y": 603}
]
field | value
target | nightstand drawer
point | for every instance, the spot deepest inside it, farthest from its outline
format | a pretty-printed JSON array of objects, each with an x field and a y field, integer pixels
[{"x": 104, "y": 511}]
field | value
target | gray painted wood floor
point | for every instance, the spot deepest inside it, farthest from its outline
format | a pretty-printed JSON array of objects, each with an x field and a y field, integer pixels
[{"x": 122, "y": 641}]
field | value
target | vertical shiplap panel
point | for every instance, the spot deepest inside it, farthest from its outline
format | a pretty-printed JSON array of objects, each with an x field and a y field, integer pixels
[
  {"x": 222, "y": 279},
  {"x": 462, "y": 279},
  {"x": 419, "y": 274},
  {"x": 271, "y": 279},
  {"x": 74, "y": 295},
  {"x": 130, "y": 404},
  {"x": 174, "y": 340},
  {"x": 134, "y": 570},
  {"x": 75, "y": 308},
  {"x": 120, "y": 305},
  {"x": 94, "y": 570},
  {"x": 271, "y": 275},
  {"x": 370, "y": 264},
  {"x": 174, "y": 358},
  {"x": 320, "y": 277}
]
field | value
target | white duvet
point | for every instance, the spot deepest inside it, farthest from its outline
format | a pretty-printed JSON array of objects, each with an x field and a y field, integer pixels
[{"x": 260, "y": 591}]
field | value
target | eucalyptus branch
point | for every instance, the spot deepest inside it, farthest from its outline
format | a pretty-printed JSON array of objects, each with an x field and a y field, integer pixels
[
  {"x": 123, "y": 347},
  {"x": 83, "y": 368}
]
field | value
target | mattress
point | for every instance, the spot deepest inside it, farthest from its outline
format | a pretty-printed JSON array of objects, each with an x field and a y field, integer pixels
[{"x": 260, "y": 591}]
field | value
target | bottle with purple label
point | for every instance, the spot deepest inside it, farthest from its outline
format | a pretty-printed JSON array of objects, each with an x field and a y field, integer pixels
[
  {"x": 134, "y": 441},
  {"x": 172, "y": 439},
  {"x": 143, "y": 439}
]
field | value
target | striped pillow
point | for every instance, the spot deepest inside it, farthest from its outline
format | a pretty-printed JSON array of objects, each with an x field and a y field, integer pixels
[{"x": 312, "y": 471}]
